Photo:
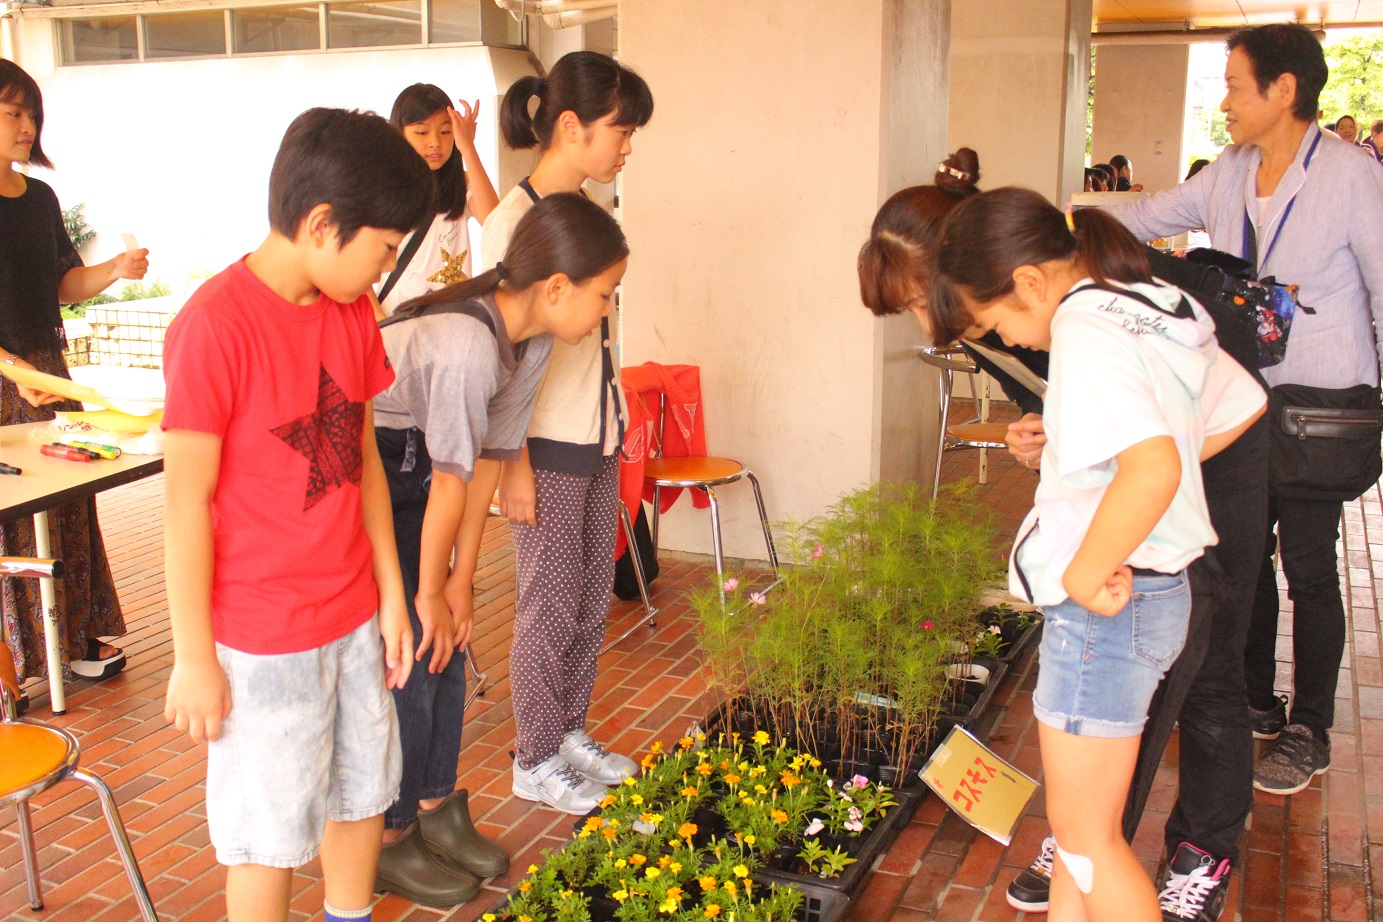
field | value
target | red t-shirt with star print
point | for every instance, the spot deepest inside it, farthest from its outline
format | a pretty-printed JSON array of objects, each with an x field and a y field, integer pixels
[{"x": 285, "y": 387}]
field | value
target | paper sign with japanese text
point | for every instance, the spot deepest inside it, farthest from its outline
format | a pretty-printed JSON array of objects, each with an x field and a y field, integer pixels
[{"x": 982, "y": 788}]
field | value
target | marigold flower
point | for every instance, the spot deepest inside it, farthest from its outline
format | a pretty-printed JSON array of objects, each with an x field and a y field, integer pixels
[
  {"x": 690, "y": 791},
  {"x": 712, "y": 910},
  {"x": 675, "y": 867},
  {"x": 621, "y": 863},
  {"x": 609, "y": 833},
  {"x": 687, "y": 830},
  {"x": 525, "y": 919},
  {"x": 652, "y": 872},
  {"x": 761, "y": 737},
  {"x": 750, "y": 802},
  {"x": 533, "y": 869},
  {"x": 732, "y": 778},
  {"x": 788, "y": 779},
  {"x": 656, "y": 747},
  {"x": 686, "y": 742},
  {"x": 488, "y": 917},
  {"x": 649, "y": 760},
  {"x": 674, "y": 893},
  {"x": 594, "y": 822},
  {"x": 607, "y": 801},
  {"x": 707, "y": 883},
  {"x": 730, "y": 887},
  {"x": 637, "y": 860},
  {"x": 525, "y": 886},
  {"x": 668, "y": 906},
  {"x": 750, "y": 840},
  {"x": 779, "y": 816},
  {"x": 704, "y": 768},
  {"x": 636, "y": 800},
  {"x": 630, "y": 782},
  {"x": 620, "y": 895},
  {"x": 759, "y": 788},
  {"x": 740, "y": 870}
]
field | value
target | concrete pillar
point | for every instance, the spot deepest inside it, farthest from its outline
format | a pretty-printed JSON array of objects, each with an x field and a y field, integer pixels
[
  {"x": 780, "y": 127},
  {"x": 1019, "y": 85},
  {"x": 1140, "y": 110}
]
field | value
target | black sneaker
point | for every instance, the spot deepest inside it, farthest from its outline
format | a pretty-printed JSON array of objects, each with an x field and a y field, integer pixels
[
  {"x": 1267, "y": 725},
  {"x": 1296, "y": 758},
  {"x": 1196, "y": 886},
  {"x": 1032, "y": 887}
]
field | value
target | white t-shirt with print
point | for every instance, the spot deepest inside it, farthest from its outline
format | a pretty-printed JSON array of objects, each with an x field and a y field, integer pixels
[
  {"x": 443, "y": 258},
  {"x": 1122, "y": 373}
]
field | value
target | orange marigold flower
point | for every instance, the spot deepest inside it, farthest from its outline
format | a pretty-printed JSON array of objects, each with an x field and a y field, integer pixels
[
  {"x": 704, "y": 768},
  {"x": 609, "y": 833},
  {"x": 690, "y": 791},
  {"x": 789, "y": 779},
  {"x": 732, "y": 778},
  {"x": 712, "y": 911},
  {"x": 779, "y": 816},
  {"x": 607, "y": 800},
  {"x": 525, "y": 886},
  {"x": 637, "y": 860},
  {"x": 687, "y": 830},
  {"x": 707, "y": 883}
]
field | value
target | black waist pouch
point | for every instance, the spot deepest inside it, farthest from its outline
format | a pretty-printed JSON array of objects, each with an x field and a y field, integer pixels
[{"x": 1325, "y": 442}]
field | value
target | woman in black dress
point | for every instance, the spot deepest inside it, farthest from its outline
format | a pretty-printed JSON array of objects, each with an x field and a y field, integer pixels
[{"x": 39, "y": 270}]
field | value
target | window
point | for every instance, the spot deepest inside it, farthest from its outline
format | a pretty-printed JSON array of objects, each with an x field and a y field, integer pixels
[
  {"x": 282, "y": 28},
  {"x": 368, "y": 25},
  {"x": 96, "y": 41},
  {"x": 184, "y": 35},
  {"x": 287, "y": 28},
  {"x": 453, "y": 21}
]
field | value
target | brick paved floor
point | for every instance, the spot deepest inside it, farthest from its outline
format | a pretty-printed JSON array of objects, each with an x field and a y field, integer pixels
[{"x": 1307, "y": 857}]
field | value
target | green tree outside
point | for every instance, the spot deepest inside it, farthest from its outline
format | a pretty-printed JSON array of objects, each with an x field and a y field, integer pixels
[{"x": 1354, "y": 87}]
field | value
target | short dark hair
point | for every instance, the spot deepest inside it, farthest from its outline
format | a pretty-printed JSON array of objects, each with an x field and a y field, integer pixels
[
  {"x": 356, "y": 163},
  {"x": 1119, "y": 162},
  {"x": 422, "y": 101},
  {"x": 17, "y": 87},
  {"x": 1286, "y": 48},
  {"x": 589, "y": 84}
]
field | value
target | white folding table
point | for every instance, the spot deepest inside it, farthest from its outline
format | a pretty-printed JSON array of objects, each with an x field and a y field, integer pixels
[{"x": 46, "y": 484}]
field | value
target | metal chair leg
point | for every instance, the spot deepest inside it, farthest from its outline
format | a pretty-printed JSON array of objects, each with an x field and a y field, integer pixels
[
  {"x": 763, "y": 520},
  {"x": 715, "y": 541},
  {"x": 26, "y": 845},
  {"x": 476, "y": 688},
  {"x": 122, "y": 842},
  {"x": 946, "y": 382},
  {"x": 649, "y": 611},
  {"x": 657, "y": 505}
]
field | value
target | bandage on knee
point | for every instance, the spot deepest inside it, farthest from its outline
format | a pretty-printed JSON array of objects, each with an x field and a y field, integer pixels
[{"x": 1082, "y": 869}]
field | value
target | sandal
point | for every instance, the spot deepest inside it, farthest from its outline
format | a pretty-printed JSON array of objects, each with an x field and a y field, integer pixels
[{"x": 96, "y": 667}]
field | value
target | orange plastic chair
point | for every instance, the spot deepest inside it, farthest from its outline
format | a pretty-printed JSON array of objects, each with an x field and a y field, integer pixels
[{"x": 38, "y": 757}]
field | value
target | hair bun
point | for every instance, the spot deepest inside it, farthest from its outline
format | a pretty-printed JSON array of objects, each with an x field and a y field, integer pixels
[{"x": 959, "y": 173}]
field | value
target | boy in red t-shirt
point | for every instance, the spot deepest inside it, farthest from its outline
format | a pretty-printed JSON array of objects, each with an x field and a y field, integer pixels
[{"x": 283, "y": 579}]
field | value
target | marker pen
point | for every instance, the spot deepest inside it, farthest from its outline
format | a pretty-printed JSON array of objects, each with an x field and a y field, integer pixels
[
  {"x": 9, "y": 469},
  {"x": 65, "y": 453},
  {"x": 109, "y": 452}
]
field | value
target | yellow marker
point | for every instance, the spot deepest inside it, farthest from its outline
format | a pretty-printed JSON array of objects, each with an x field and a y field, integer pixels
[{"x": 109, "y": 452}]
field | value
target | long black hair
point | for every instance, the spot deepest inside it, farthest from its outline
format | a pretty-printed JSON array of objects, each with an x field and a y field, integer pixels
[
  {"x": 421, "y": 101},
  {"x": 18, "y": 88},
  {"x": 991, "y": 234},
  {"x": 584, "y": 82},
  {"x": 562, "y": 233}
]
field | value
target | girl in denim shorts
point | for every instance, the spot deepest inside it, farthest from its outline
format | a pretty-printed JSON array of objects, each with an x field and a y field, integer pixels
[{"x": 1138, "y": 396}]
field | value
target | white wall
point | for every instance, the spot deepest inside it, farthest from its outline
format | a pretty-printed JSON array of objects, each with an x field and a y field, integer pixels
[
  {"x": 179, "y": 152},
  {"x": 779, "y": 128},
  {"x": 1019, "y": 82},
  {"x": 1140, "y": 110}
]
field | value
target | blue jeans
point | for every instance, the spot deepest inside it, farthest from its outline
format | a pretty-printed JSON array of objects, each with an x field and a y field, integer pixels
[
  {"x": 431, "y": 706},
  {"x": 1097, "y": 674}
]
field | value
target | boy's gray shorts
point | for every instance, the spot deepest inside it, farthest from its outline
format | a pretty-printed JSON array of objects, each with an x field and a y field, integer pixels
[{"x": 311, "y": 737}]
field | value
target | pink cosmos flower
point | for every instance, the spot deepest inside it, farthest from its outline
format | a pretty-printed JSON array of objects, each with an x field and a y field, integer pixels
[
  {"x": 731, "y": 584},
  {"x": 928, "y": 624},
  {"x": 816, "y": 554},
  {"x": 859, "y": 781},
  {"x": 758, "y": 598}
]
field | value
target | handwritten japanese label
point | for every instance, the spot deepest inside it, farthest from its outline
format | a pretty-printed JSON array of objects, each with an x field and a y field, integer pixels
[{"x": 983, "y": 789}]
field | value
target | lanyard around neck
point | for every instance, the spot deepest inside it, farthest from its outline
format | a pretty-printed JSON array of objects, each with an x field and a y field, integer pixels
[{"x": 1251, "y": 236}]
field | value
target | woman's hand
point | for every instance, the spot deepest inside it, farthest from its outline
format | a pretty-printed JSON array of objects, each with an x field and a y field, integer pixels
[
  {"x": 1025, "y": 439},
  {"x": 35, "y": 398},
  {"x": 1107, "y": 598},
  {"x": 463, "y": 122},
  {"x": 132, "y": 265},
  {"x": 460, "y": 593},
  {"x": 435, "y": 618},
  {"x": 518, "y": 493}
]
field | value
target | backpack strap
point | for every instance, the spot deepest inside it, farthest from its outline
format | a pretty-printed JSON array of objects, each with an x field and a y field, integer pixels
[
  {"x": 1183, "y": 309},
  {"x": 415, "y": 309},
  {"x": 405, "y": 257}
]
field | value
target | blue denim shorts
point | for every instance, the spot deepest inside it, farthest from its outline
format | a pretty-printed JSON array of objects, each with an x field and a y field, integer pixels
[
  {"x": 311, "y": 737},
  {"x": 1096, "y": 674}
]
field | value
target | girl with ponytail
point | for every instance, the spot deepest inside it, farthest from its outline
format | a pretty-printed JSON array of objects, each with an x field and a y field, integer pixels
[
  {"x": 1138, "y": 394},
  {"x": 468, "y": 360},
  {"x": 560, "y": 494}
]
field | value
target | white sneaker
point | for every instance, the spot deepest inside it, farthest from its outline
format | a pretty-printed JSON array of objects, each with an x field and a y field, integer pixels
[
  {"x": 594, "y": 761},
  {"x": 557, "y": 785}
]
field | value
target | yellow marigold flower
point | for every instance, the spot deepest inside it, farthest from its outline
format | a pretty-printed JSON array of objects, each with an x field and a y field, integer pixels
[
  {"x": 630, "y": 782},
  {"x": 614, "y": 822},
  {"x": 668, "y": 907},
  {"x": 525, "y": 919},
  {"x": 584, "y": 834},
  {"x": 744, "y": 766},
  {"x": 675, "y": 867},
  {"x": 488, "y": 917},
  {"x": 675, "y": 843},
  {"x": 760, "y": 789},
  {"x": 594, "y": 822},
  {"x": 701, "y": 736},
  {"x": 797, "y": 762},
  {"x": 621, "y": 863},
  {"x": 636, "y": 799},
  {"x": 732, "y": 778},
  {"x": 664, "y": 860},
  {"x": 649, "y": 760},
  {"x": 740, "y": 870},
  {"x": 707, "y": 883},
  {"x": 712, "y": 910},
  {"x": 564, "y": 894},
  {"x": 749, "y": 801},
  {"x": 533, "y": 869},
  {"x": 620, "y": 895},
  {"x": 704, "y": 768},
  {"x": 652, "y": 872},
  {"x": 750, "y": 840},
  {"x": 656, "y": 747},
  {"x": 525, "y": 886},
  {"x": 757, "y": 770},
  {"x": 687, "y": 830},
  {"x": 637, "y": 860},
  {"x": 607, "y": 800},
  {"x": 730, "y": 887},
  {"x": 814, "y": 762},
  {"x": 761, "y": 738}
]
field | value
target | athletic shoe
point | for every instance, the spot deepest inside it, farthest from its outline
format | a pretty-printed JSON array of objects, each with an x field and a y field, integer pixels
[
  {"x": 1196, "y": 886},
  {"x": 556, "y": 784},
  {"x": 594, "y": 761},
  {"x": 1030, "y": 890},
  {"x": 1267, "y": 725},
  {"x": 1294, "y": 760}
]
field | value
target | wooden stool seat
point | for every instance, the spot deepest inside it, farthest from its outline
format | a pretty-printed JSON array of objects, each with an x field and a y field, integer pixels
[
  {"x": 977, "y": 435},
  {"x": 36, "y": 758},
  {"x": 692, "y": 471}
]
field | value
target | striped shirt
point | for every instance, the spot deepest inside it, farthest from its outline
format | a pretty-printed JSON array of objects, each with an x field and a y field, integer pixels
[{"x": 1331, "y": 246}]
